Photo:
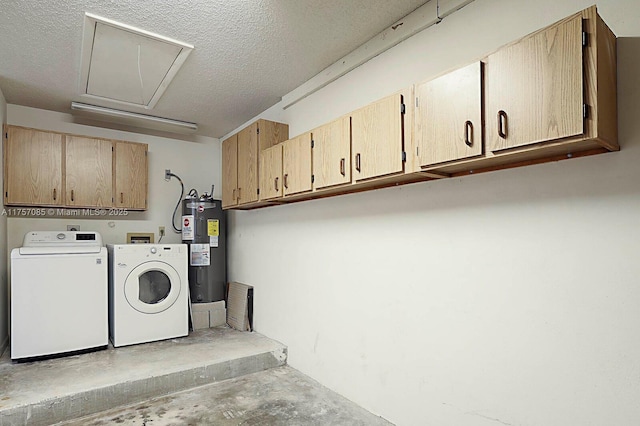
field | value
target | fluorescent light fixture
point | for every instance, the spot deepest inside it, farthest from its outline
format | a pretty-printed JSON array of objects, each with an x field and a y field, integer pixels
[{"x": 78, "y": 106}]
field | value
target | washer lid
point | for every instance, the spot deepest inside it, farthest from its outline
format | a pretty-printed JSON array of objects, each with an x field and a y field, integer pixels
[{"x": 152, "y": 287}]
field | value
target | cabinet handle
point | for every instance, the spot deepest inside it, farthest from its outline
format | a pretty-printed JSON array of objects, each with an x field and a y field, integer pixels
[
  {"x": 121, "y": 197},
  {"x": 276, "y": 183},
  {"x": 358, "y": 162},
  {"x": 55, "y": 194},
  {"x": 233, "y": 195},
  {"x": 342, "y": 171},
  {"x": 502, "y": 124},
  {"x": 468, "y": 133},
  {"x": 72, "y": 195},
  {"x": 286, "y": 184},
  {"x": 239, "y": 193}
]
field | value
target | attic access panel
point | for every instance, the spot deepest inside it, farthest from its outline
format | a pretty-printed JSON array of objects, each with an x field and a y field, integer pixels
[{"x": 127, "y": 65}]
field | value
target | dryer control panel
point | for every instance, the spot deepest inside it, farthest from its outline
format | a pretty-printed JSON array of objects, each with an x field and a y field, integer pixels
[{"x": 152, "y": 250}]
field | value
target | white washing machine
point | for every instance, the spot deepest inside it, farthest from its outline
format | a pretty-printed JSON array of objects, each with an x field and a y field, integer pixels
[
  {"x": 148, "y": 292},
  {"x": 58, "y": 294}
]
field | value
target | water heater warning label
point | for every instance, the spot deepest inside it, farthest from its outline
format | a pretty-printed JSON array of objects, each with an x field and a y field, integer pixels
[
  {"x": 200, "y": 255},
  {"x": 187, "y": 227},
  {"x": 213, "y": 231}
]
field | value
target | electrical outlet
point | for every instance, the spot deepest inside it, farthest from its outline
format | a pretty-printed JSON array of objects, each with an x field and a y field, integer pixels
[
  {"x": 73, "y": 227},
  {"x": 167, "y": 174},
  {"x": 161, "y": 231}
]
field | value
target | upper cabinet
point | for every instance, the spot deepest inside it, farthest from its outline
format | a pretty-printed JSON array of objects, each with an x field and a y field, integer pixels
[
  {"x": 241, "y": 160},
  {"x": 448, "y": 117},
  {"x": 296, "y": 164},
  {"x": 271, "y": 173},
  {"x": 548, "y": 96},
  {"x": 52, "y": 169},
  {"x": 32, "y": 168},
  {"x": 89, "y": 167},
  {"x": 535, "y": 88},
  {"x": 332, "y": 153},
  {"x": 230, "y": 171},
  {"x": 377, "y": 138},
  {"x": 130, "y": 168},
  {"x": 248, "y": 164}
]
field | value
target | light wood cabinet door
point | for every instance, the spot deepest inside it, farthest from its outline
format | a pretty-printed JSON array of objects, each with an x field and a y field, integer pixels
[
  {"x": 534, "y": 90},
  {"x": 33, "y": 168},
  {"x": 229, "y": 171},
  {"x": 448, "y": 116},
  {"x": 130, "y": 175},
  {"x": 332, "y": 154},
  {"x": 271, "y": 133},
  {"x": 89, "y": 178},
  {"x": 247, "y": 165},
  {"x": 271, "y": 173},
  {"x": 296, "y": 164},
  {"x": 376, "y": 132}
]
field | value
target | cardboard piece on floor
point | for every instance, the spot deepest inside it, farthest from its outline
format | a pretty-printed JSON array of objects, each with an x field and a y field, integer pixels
[{"x": 240, "y": 306}]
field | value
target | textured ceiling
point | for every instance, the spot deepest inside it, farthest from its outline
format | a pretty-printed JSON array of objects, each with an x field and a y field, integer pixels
[{"x": 248, "y": 53}]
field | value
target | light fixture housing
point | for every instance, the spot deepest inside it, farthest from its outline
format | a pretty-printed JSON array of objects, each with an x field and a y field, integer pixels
[{"x": 79, "y": 106}]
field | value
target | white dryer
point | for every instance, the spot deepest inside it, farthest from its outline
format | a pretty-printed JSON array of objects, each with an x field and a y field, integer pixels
[{"x": 148, "y": 292}]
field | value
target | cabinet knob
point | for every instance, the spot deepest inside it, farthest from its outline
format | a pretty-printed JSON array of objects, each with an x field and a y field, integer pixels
[
  {"x": 502, "y": 124},
  {"x": 468, "y": 133}
]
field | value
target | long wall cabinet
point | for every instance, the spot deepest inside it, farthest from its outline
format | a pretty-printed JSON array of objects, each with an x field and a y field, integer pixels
[
  {"x": 44, "y": 168},
  {"x": 548, "y": 96}
]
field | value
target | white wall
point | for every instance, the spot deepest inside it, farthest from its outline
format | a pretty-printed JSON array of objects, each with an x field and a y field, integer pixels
[
  {"x": 197, "y": 163},
  {"x": 4, "y": 279},
  {"x": 503, "y": 298}
]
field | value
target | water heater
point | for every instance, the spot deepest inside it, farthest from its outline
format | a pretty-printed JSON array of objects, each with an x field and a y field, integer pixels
[{"x": 203, "y": 230}]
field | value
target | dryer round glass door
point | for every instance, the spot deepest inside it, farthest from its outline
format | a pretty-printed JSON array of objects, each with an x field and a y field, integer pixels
[{"x": 152, "y": 287}]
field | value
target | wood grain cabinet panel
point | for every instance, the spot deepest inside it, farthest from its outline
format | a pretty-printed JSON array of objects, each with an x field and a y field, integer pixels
[
  {"x": 377, "y": 139},
  {"x": 448, "y": 119},
  {"x": 535, "y": 88},
  {"x": 33, "y": 168},
  {"x": 241, "y": 155},
  {"x": 271, "y": 182},
  {"x": 248, "y": 165},
  {"x": 89, "y": 167},
  {"x": 296, "y": 164},
  {"x": 130, "y": 175},
  {"x": 230, "y": 171},
  {"x": 332, "y": 154}
]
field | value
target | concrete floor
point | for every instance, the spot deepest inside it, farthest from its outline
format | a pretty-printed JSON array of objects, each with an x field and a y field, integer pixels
[
  {"x": 278, "y": 396},
  {"x": 49, "y": 391},
  {"x": 213, "y": 376}
]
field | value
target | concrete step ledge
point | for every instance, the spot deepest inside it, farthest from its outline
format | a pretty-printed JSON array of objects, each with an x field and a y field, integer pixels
[{"x": 138, "y": 373}]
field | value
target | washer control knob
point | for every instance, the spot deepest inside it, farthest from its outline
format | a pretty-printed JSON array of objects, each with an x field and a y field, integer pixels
[
  {"x": 61, "y": 236},
  {"x": 153, "y": 250}
]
